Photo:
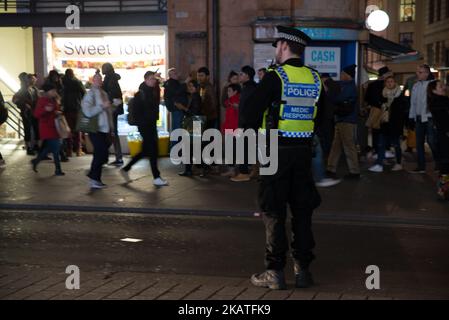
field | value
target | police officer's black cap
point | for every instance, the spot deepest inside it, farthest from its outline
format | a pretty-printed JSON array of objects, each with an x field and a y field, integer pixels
[{"x": 291, "y": 34}]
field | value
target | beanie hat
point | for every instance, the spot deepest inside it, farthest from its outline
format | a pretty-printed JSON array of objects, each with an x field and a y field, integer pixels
[{"x": 383, "y": 71}]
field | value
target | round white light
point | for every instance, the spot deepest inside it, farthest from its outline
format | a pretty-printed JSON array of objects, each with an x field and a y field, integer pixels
[{"x": 378, "y": 21}]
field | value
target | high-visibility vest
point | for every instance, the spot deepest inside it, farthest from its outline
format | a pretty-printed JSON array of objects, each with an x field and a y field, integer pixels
[{"x": 301, "y": 89}]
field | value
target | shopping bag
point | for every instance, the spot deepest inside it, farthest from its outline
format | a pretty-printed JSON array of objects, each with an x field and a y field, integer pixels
[
  {"x": 86, "y": 124},
  {"x": 62, "y": 127},
  {"x": 374, "y": 118}
]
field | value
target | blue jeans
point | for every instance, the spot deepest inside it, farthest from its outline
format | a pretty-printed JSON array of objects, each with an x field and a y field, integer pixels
[
  {"x": 383, "y": 141},
  {"x": 176, "y": 123},
  {"x": 53, "y": 146},
  {"x": 423, "y": 130},
  {"x": 317, "y": 161}
]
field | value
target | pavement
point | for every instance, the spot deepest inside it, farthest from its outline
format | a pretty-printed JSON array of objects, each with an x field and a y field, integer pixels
[
  {"x": 202, "y": 238},
  {"x": 391, "y": 196}
]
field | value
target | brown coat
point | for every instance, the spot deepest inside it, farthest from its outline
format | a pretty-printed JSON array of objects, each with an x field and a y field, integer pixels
[{"x": 208, "y": 102}]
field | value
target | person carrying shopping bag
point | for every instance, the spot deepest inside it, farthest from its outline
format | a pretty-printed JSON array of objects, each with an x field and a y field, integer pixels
[{"x": 97, "y": 118}]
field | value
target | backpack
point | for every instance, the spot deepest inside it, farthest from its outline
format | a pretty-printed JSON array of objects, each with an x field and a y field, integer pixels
[{"x": 133, "y": 109}]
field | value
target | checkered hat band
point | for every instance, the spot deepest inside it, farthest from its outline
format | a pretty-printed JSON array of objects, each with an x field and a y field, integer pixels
[{"x": 292, "y": 38}]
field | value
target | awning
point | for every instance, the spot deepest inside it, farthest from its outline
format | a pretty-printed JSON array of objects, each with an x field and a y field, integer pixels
[{"x": 392, "y": 49}]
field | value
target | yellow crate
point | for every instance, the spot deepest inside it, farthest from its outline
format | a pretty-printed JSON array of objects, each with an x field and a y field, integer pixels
[{"x": 135, "y": 146}]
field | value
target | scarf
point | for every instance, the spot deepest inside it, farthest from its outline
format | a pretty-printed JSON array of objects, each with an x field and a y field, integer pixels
[{"x": 391, "y": 94}]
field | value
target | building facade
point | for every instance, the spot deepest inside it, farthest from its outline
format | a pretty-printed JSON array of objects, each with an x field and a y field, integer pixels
[{"x": 422, "y": 25}]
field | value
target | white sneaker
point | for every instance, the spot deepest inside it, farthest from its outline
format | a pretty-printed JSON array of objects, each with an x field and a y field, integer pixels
[
  {"x": 125, "y": 175},
  {"x": 94, "y": 184},
  {"x": 159, "y": 182},
  {"x": 397, "y": 167},
  {"x": 325, "y": 183},
  {"x": 377, "y": 169}
]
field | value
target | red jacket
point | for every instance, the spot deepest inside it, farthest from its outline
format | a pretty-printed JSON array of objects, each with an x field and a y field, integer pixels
[
  {"x": 232, "y": 114},
  {"x": 47, "y": 127}
]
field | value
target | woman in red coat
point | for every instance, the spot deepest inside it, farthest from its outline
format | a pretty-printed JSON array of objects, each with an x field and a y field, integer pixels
[
  {"x": 46, "y": 111},
  {"x": 231, "y": 121}
]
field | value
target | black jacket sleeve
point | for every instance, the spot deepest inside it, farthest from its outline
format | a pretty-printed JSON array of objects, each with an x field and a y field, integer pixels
[{"x": 267, "y": 92}]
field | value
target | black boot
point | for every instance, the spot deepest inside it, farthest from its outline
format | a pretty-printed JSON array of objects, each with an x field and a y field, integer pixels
[{"x": 303, "y": 277}]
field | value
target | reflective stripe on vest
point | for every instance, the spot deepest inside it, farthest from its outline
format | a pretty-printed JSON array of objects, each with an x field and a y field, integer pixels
[{"x": 301, "y": 89}]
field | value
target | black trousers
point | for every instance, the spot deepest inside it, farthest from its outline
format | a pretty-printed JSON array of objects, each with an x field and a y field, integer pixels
[
  {"x": 117, "y": 146},
  {"x": 27, "y": 120},
  {"x": 149, "y": 149},
  {"x": 292, "y": 185},
  {"x": 101, "y": 143}
]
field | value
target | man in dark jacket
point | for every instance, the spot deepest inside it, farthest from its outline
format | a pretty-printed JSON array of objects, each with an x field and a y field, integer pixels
[
  {"x": 112, "y": 87},
  {"x": 249, "y": 86},
  {"x": 172, "y": 88},
  {"x": 73, "y": 94},
  {"x": 147, "y": 112},
  {"x": 346, "y": 124}
]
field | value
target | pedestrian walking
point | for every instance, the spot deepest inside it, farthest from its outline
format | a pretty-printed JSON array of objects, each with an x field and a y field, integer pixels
[
  {"x": 146, "y": 104},
  {"x": 293, "y": 183},
  {"x": 47, "y": 109},
  {"x": 96, "y": 106},
  {"x": 112, "y": 87},
  {"x": 346, "y": 126}
]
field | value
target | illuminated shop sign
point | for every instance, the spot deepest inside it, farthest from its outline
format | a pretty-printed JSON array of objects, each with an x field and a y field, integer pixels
[
  {"x": 324, "y": 59},
  {"x": 119, "y": 48}
]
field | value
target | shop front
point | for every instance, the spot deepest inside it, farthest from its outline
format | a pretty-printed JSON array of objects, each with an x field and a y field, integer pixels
[
  {"x": 132, "y": 52},
  {"x": 330, "y": 51}
]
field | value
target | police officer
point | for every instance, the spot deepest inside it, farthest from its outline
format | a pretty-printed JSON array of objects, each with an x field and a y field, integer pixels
[{"x": 288, "y": 99}]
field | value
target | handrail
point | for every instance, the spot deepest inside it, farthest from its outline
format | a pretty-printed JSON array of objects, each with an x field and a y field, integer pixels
[{"x": 15, "y": 124}]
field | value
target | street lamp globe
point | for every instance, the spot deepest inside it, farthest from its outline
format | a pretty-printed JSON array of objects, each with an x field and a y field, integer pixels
[{"x": 378, "y": 21}]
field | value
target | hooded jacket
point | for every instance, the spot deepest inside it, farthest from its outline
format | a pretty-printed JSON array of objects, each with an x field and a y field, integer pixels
[{"x": 112, "y": 87}]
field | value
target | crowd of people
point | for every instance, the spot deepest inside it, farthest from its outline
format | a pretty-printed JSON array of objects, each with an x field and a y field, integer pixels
[{"x": 390, "y": 113}]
